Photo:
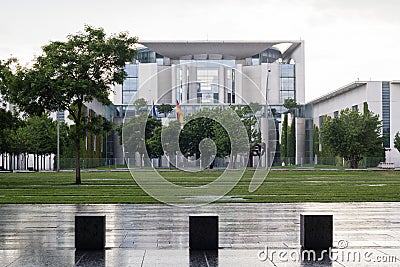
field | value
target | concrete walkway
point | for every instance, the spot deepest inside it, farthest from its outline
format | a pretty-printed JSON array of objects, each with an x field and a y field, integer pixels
[{"x": 157, "y": 235}]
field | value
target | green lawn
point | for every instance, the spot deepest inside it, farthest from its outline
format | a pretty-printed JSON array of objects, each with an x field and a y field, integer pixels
[{"x": 279, "y": 186}]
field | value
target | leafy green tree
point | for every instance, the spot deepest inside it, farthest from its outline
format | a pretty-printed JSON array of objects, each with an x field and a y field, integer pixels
[
  {"x": 41, "y": 132},
  {"x": 352, "y": 135},
  {"x": 135, "y": 142},
  {"x": 291, "y": 142},
  {"x": 284, "y": 135},
  {"x": 170, "y": 140},
  {"x": 249, "y": 120},
  {"x": 9, "y": 124},
  {"x": 236, "y": 132},
  {"x": 231, "y": 130},
  {"x": 291, "y": 105},
  {"x": 153, "y": 138},
  {"x": 397, "y": 141},
  {"x": 316, "y": 141},
  {"x": 198, "y": 126},
  {"x": 18, "y": 142},
  {"x": 140, "y": 105},
  {"x": 165, "y": 109},
  {"x": 69, "y": 74}
]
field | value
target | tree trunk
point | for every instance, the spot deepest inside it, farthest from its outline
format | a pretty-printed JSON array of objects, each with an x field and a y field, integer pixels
[
  {"x": 78, "y": 161},
  {"x": 250, "y": 161},
  {"x": 353, "y": 163}
]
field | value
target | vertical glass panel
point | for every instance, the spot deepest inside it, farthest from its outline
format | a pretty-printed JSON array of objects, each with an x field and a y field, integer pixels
[{"x": 386, "y": 114}]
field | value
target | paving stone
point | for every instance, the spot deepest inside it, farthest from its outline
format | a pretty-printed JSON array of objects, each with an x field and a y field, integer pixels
[{"x": 158, "y": 235}]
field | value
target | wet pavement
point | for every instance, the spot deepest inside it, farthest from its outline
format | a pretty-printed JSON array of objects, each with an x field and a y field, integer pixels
[{"x": 267, "y": 234}]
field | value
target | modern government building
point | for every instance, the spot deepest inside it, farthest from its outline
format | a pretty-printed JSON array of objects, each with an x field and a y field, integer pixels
[{"x": 200, "y": 74}]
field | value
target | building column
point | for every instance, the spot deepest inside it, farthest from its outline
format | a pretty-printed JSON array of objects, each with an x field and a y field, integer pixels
[
  {"x": 192, "y": 79},
  {"x": 184, "y": 69},
  {"x": 174, "y": 84},
  {"x": 239, "y": 84},
  {"x": 221, "y": 84}
]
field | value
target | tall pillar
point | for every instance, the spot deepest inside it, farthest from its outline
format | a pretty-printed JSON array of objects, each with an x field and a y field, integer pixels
[
  {"x": 239, "y": 84},
  {"x": 221, "y": 84},
  {"x": 174, "y": 84},
  {"x": 192, "y": 84},
  {"x": 184, "y": 69}
]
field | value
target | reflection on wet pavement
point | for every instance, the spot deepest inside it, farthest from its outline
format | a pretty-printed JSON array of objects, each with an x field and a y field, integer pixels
[{"x": 157, "y": 235}]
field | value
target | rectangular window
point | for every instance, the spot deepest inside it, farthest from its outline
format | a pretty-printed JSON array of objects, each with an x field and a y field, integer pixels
[
  {"x": 131, "y": 70},
  {"x": 336, "y": 114},
  {"x": 255, "y": 61},
  {"x": 130, "y": 84},
  {"x": 216, "y": 96},
  {"x": 128, "y": 96},
  {"x": 355, "y": 107},
  {"x": 287, "y": 82},
  {"x": 287, "y": 70}
]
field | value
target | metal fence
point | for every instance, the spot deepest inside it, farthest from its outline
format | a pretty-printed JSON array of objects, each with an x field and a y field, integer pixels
[{"x": 219, "y": 163}]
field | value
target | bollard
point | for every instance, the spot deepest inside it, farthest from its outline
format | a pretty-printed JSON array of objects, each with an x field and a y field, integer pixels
[
  {"x": 203, "y": 232},
  {"x": 316, "y": 231},
  {"x": 90, "y": 232}
]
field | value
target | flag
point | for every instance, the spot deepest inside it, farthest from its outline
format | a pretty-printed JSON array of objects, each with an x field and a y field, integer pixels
[
  {"x": 153, "y": 109},
  {"x": 179, "y": 112}
]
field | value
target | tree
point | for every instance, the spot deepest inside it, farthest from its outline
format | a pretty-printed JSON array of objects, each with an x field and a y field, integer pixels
[
  {"x": 69, "y": 74},
  {"x": 41, "y": 132},
  {"x": 397, "y": 141},
  {"x": 352, "y": 135},
  {"x": 134, "y": 139},
  {"x": 9, "y": 124},
  {"x": 236, "y": 133},
  {"x": 135, "y": 142},
  {"x": 140, "y": 105},
  {"x": 291, "y": 105},
  {"x": 198, "y": 126},
  {"x": 153, "y": 138},
  {"x": 231, "y": 130},
  {"x": 284, "y": 135},
  {"x": 291, "y": 142},
  {"x": 316, "y": 141},
  {"x": 170, "y": 140},
  {"x": 165, "y": 109}
]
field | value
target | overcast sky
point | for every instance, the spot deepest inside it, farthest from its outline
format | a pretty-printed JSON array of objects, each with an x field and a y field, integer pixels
[{"x": 345, "y": 40}]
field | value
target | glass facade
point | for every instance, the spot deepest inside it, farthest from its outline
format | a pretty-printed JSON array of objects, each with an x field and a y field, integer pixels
[
  {"x": 201, "y": 80},
  {"x": 309, "y": 140},
  {"x": 130, "y": 84},
  {"x": 386, "y": 114},
  {"x": 287, "y": 82}
]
